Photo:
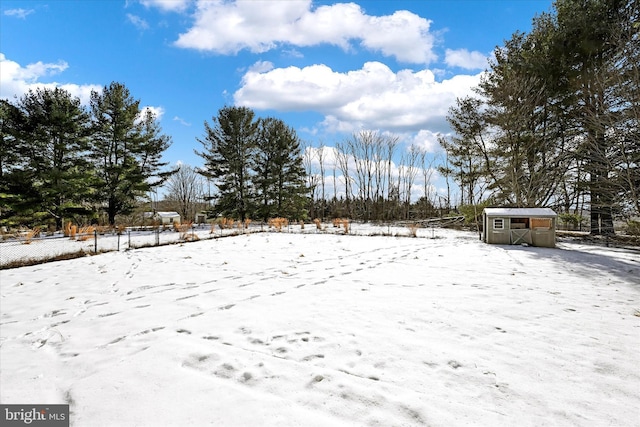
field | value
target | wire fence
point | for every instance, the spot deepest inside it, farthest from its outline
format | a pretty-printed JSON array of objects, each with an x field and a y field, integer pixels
[{"x": 28, "y": 249}]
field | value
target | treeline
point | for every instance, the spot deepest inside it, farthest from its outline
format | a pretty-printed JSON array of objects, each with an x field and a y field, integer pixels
[
  {"x": 260, "y": 169},
  {"x": 60, "y": 160},
  {"x": 555, "y": 122},
  {"x": 366, "y": 177}
]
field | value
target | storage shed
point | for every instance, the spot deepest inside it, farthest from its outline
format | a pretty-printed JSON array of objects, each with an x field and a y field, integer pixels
[{"x": 514, "y": 226}]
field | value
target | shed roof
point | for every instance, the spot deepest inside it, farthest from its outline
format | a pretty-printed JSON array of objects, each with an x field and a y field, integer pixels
[
  {"x": 168, "y": 214},
  {"x": 161, "y": 214},
  {"x": 511, "y": 212}
]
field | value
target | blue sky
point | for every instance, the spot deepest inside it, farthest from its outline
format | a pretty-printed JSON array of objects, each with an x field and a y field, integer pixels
[{"x": 327, "y": 69}]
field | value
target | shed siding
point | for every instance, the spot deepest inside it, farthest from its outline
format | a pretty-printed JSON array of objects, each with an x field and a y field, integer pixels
[{"x": 534, "y": 225}]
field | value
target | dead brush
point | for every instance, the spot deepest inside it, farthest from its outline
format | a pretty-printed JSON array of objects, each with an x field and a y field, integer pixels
[
  {"x": 318, "y": 224},
  {"x": 223, "y": 223},
  {"x": 345, "y": 224},
  {"x": 413, "y": 230},
  {"x": 185, "y": 235},
  {"x": 301, "y": 225},
  {"x": 30, "y": 234},
  {"x": 337, "y": 222},
  {"x": 102, "y": 229},
  {"x": 278, "y": 223},
  {"x": 67, "y": 229},
  {"x": 85, "y": 233}
]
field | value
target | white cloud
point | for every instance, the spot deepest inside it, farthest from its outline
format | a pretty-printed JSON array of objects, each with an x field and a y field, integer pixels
[
  {"x": 16, "y": 80},
  {"x": 464, "y": 59},
  {"x": 427, "y": 140},
  {"x": 261, "y": 67},
  {"x": 138, "y": 22},
  {"x": 167, "y": 5},
  {"x": 228, "y": 27},
  {"x": 181, "y": 121},
  {"x": 19, "y": 13},
  {"x": 157, "y": 112},
  {"x": 292, "y": 53},
  {"x": 373, "y": 97}
]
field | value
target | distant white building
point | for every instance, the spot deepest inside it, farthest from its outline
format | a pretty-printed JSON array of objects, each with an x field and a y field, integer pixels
[{"x": 164, "y": 218}]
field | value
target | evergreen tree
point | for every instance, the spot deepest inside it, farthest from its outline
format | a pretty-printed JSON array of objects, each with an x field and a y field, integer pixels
[
  {"x": 469, "y": 162},
  {"x": 587, "y": 38},
  {"x": 12, "y": 179},
  {"x": 126, "y": 147},
  {"x": 49, "y": 176},
  {"x": 229, "y": 149},
  {"x": 279, "y": 172},
  {"x": 529, "y": 144},
  {"x": 560, "y": 113}
]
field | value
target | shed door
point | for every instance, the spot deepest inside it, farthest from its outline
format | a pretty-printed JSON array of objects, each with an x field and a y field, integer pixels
[{"x": 520, "y": 236}]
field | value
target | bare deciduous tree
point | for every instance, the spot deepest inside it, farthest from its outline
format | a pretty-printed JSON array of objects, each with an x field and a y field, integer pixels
[{"x": 185, "y": 192}]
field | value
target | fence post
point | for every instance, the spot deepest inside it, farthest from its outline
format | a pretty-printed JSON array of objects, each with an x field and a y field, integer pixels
[
  {"x": 95, "y": 241},
  {"x": 158, "y": 236}
]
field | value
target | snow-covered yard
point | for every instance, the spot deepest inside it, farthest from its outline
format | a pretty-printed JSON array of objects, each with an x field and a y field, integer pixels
[{"x": 293, "y": 329}]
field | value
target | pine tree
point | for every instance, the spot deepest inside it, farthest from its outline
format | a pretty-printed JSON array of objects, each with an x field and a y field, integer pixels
[
  {"x": 466, "y": 151},
  {"x": 586, "y": 36},
  {"x": 12, "y": 178},
  {"x": 279, "y": 172},
  {"x": 126, "y": 147},
  {"x": 50, "y": 178},
  {"x": 229, "y": 149},
  {"x": 528, "y": 147}
]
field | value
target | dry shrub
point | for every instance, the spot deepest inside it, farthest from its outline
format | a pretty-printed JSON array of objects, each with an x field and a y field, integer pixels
[
  {"x": 345, "y": 224},
  {"x": 247, "y": 221},
  {"x": 278, "y": 223},
  {"x": 85, "y": 233},
  {"x": 226, "y": 222},
  {"x": 185, "y": 235},
  {"x": 102, "y": 229},
  {"x": 222, "y": 223},
  {"x": 67, "y": 229},
  {"x": 341, "y": 222},
  {"x": 301, "y": 225},
  {"x": 72, "y": 232},
  {"x": 318, "y": 224},
  {"x": 121, "y": 228},
  {"x": 30, "y": 234},
  {"x": 413, "y": 230}
]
